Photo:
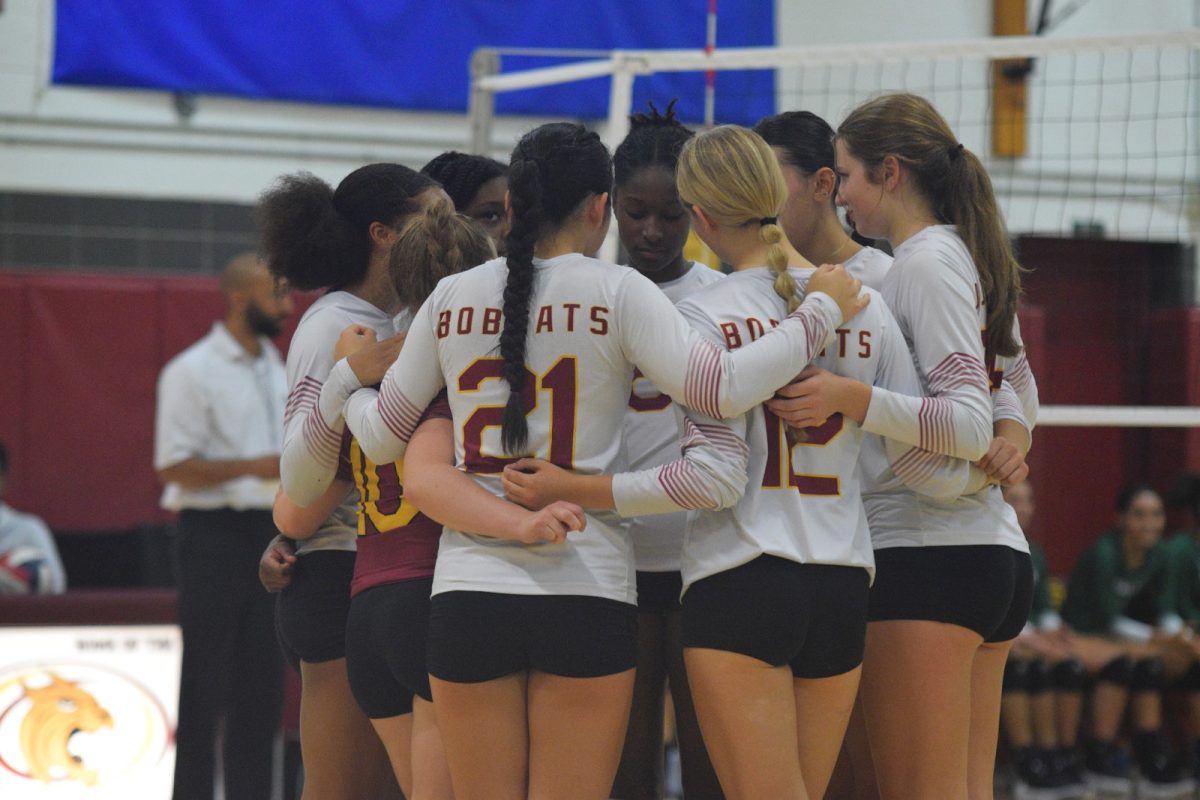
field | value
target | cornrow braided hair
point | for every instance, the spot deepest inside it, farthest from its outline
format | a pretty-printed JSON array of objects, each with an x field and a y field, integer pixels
[
  {"x": 654, "y": 140},
  {"x": 554, "y": 168},
  {"x": 463, "y": 174},
  {"x": 432, "y": 246},
  {"x": 318, "y": 237}
]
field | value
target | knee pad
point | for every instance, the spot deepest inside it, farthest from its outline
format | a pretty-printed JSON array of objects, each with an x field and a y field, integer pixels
[
  {"x": 1190, "y": 682},
  {"x": 1148, "y": 675},
  {"x": 1016, "y": 675},
  {"x": 1118, "y": 671},
  {"x": 1069, "y": 676},
  {"x": 1039, "y": 676}
]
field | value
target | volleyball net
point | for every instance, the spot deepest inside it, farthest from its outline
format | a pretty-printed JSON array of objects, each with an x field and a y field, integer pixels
[{"x": 1092, "y": 137}]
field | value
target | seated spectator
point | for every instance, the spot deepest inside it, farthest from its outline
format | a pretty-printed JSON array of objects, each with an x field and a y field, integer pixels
[
  {"x": 29, "y": 562},
  {"x": 1119, "y": 590}
]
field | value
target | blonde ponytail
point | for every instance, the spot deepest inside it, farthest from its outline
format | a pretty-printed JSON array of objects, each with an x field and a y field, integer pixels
[
  {"x": 777, "y": 259},
  {"x": 732, "y": 174}
]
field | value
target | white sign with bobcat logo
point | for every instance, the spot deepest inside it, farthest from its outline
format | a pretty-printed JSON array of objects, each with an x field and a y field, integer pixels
[{"x": 88, "y": 712}]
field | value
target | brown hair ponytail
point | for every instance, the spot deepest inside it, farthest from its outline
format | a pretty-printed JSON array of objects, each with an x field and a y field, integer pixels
[{"x": 958, "y": 188}]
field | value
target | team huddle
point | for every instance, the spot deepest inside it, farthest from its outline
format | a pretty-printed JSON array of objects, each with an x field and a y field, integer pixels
[{"x": 570, "y": 484}]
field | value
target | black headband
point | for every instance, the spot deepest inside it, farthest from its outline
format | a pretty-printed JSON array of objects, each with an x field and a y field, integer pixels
[{"x": 768, "y": 221}]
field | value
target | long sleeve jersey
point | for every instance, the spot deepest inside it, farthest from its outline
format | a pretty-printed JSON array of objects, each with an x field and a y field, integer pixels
[
  {"x": 590, "y": 323},
  {"x": 802, "y": 500},
  {"x": 933, "y": 290},
  {"x": 310, "y": 444},
  {"x": 653, "y": 429}
]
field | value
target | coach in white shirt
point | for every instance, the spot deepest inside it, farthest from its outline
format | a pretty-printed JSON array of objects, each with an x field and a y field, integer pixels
[{"x": 218, "y": 435}]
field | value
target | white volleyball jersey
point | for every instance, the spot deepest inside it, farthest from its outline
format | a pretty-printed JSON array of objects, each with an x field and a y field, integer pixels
[
  {"x": 870, "y": 265},
  {"x": 652, "y": 434},
  {"x": 306, "y": 437},
  {"x": 590, "y": 323},
  {"x": 933, "y": 290},
  {"x": 802, "y": 500}
]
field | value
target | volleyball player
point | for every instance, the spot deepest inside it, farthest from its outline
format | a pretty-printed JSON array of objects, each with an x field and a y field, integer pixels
[
  {"x": 653, "y": 225},
  {"x": 803, "y": 145},
  {"x": 774, "y": 609},
  {"x": 397, "y": 545},
  {"x": 532, "y": 648},
  {"x": 321, "y": 238},
  {"x": 476, "y": 185},
  {"x": 953, "y": 579}
]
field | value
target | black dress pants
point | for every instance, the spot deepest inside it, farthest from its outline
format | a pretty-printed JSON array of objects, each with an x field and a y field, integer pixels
[{"x": 232, "y": 668}]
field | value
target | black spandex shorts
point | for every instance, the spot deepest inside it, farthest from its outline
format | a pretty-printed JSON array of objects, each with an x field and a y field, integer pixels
[
  {"x": 310, "y": 614},
  {"x": 659, "y": 591},
  {"x": 386, "y": 637},
  {"x": 481, "y": 636},
  {"x": 986, "y": 588},
  {"x": 811, "y": 617}
]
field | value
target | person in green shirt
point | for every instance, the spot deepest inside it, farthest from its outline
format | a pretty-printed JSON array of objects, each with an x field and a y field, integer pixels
[
  {"x": 1120, "y": 590},
  {"x": 1045, "y": 680}
]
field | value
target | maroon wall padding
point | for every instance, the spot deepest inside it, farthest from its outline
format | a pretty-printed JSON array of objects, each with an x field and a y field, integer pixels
[
  {"x": 92, "y": 353},
  {"x": 99, "y": 607},
  {"x": 80, "y": 357},
  {"x": 13, "y": 380},
  {"x": 1174, "y": 361},
  {"x": 1033, "y": 333},
  {"x": 1097, "y": 297}
]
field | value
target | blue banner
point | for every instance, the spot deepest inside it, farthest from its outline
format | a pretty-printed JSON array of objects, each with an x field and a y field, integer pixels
[{"x": 403, "y": 54}]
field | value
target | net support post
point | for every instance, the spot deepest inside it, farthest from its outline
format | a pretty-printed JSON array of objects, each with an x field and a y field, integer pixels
[
  {"x": 481, "y": 105},
  {"x": 620, "y": 100}
]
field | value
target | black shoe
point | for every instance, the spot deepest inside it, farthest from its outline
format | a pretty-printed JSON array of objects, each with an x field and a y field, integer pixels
[
  {"x": 1064, "y": 762},
  {"x": 1155, "y": 761},
  {"x": 1161, "y": 770},
  {"x": 1106, "y": 767},
  {"x": 1035, "y": 768}
]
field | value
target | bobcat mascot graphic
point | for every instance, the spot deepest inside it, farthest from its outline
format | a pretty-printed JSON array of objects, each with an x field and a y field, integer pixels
[{"x": 59, "y": 711}]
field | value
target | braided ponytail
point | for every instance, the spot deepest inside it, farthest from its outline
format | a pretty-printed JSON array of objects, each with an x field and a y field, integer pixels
[
  {"x": 554, "y": 169},
  {"x": 528, "y": 216},
  {"x": 777, "y": 259}
]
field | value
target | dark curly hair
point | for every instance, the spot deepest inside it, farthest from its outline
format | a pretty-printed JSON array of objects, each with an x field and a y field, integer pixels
[
  {"x": 463, "y": 174},
  {"x": 554, "y": 168},
  {"x": 654, "y": 140},
  {"x": 318, "y": 237}
]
